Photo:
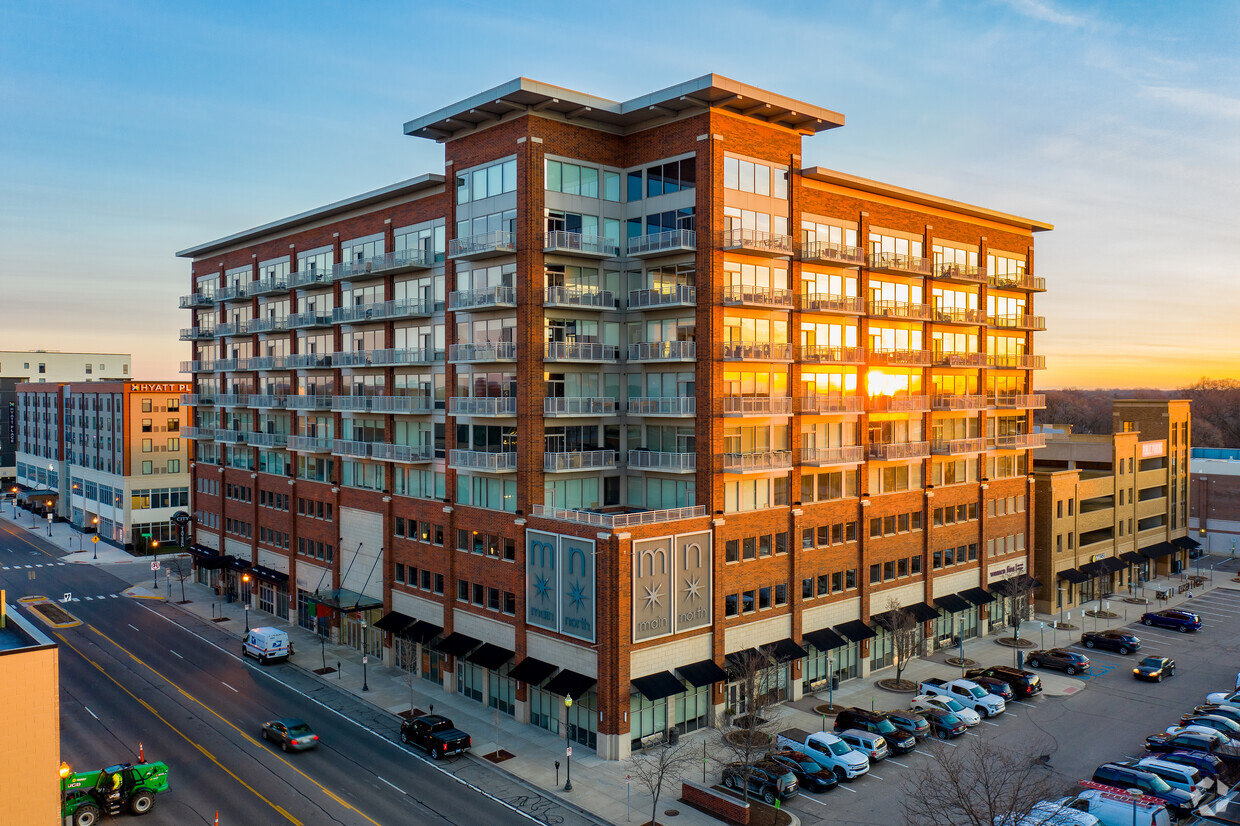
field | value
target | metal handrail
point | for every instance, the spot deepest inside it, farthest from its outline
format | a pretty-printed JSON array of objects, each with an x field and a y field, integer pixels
[
  {"x": 662, "y": 406},
  {"x": 485, "y": 351},
  {"x": 757, "y": 405},
  {"x": 578, "y": 460},
  {"x": 491, "y": 297},
  {"x": 497, "y": 241},
  {"x": 579, "y": 406},
  {"x": 740, "y": 238},
  {"x": 668, "y": 350},
  {"x": 658, "y": 460},
  {"x": 560, "y": 241},
  {"x": 580, "y": 351},
  {"x": 668, "y": 241}
]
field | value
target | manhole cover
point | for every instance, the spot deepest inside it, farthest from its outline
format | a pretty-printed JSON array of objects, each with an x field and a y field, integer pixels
[{"x": 54, "y": 614}]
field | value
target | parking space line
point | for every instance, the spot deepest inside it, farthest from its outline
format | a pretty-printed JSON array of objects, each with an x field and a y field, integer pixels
[
  {"x": 897, "y": 762},
  {"x": 971, "y": 734},
  {"x": 1024, "y": 703},
  {"x": 875, "y": 776},
  {"x": 988, "y": 723},
  {"x": 801, "y": 796},
  {"x": 845, "y": 788}
]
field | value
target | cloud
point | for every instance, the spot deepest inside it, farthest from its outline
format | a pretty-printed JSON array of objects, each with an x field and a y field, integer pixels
[
  {"x": 1045, "y": 12},
  {"x": 1197, "y": 102}
]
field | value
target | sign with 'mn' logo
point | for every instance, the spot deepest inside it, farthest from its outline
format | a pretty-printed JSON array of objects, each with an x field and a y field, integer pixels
[
  {"x": 671, "y": 585},
  {"x": 561, "y": 584}
]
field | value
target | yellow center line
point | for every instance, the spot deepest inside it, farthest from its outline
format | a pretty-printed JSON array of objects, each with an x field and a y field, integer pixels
[
  {"x": 231, "y": 725},
  {"x": 22, "y": 537},
  {"x": 180, "y": 733}
]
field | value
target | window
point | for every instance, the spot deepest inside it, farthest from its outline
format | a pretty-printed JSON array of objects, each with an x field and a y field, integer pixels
[
  {"x": 764, "y": 598},
  {"x": 781, "y": 594},
  {"x": 146, "y": 446},
  {"x": 732, "y": 550},
  {"x": 174, "y": 465},
  {"x": 146, "y": 468},
  {"x": 146, "y": 426},
  {"x": 146, "y": 405}
]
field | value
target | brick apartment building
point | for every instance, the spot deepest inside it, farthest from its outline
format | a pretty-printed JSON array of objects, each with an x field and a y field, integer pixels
[
  {"x": 622, "y": 392},
  {"x": 1214, "y": 514}
]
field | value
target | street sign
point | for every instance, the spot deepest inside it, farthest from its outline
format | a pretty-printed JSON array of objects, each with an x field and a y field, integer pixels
[
  {"x": 50, "y": 517},
  {"x": 155, "y": 565},
  {"x": 146, "y": 535},
  {"x": 569, "y": 751},
  {"x": 365, "y": 660},
  {"x": 94, "y": 539}
]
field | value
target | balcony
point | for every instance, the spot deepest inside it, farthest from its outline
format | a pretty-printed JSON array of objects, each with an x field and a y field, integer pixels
[
  {"x": 900, "y": 309},
  {"x": 486, "y": 245},
  {"x": 416, "y": 405},
  {"x": 662, "y": 351},
  {"x": 957, "y": 447},
  {"x": 385, "y": 358},
  {"x": 827, "y": 303},
  {"x": 825, "y": 404},
  {"x": 309, "y": 361},
  {"x": 663, "y": 298},
  {"x": 954, "y": 401},
  {"x": 897, "y": 263},
  {"x": 402, "y": 261},
  {"x": 482, "y": 460},
  {"x": 749, "y": 295},
  {"x": 1018, "y": 441},
  {"x": 398, "y": 308},
  {"x": 268, "y": 402},
  {"x": 665, "y": 462},
  {"x": 574, "y": 243},
  {"x": 895, "y": 451},
  {"x": 408, "y": 454},
  {"x": 197, "y": 300},
  {"x": 492, "y": 298},
  {"x": 1015, "y": 401},
  {"x": 197, "y": 333},
  {"x": 310, "y": 444},
  {"x": 197, "y": 399},
  {"x": 269, "y": 440},
  {"x": 198, "y": 434},
  {"x": 467, "y": 406},
  {"x": 758, "y": 462},
  {"x": 575, "y": 297},
  {"x": 487, "y": 351},
  {"x": 233, "y": 292},
  {"x": 312, "y": 277},
  {"x": 233, "y": 400},
  {"x": 579, "y": 406},
  {"x": 227, "y": 365},
  {"x": 1017, "y": 281},
  {"x": 662, "y": 406},
  {"x": 1020, "y": 321},
  {"x": 960, "y": 273},
  {"x": 944, "y": 359},
  {"x": 351, "y": 448},
  {"x": 580, "y": 351},
  {"x": 899, "y": 358},
  {"x": 833, "y": 253},
  {"x": 310, "y": 318},
  {"x": 614, "y": 521},
  {"x": 663, "y": 243},
  {"x": 266, "y": 363},
  {"x": 830, "y": 456},
  {"x": 265, "y": 286},
  {"x": 825, "y": 354},
  {"x": 198, "y": 366},
  {"x": 1000, "y": 361},
  {"x": 308, "y": 402},
  {"x": 578, "y": 460},
  {"x": 755, "y": 351},
  {"x": 229, "y": 328},
  {"x": 953, "y": 315},
  {"x": 229, "y": 436},
  {"x": 756, "y": 242},
  {"x": 757, "y": 406},
  {"x": 268, "y": 325}
]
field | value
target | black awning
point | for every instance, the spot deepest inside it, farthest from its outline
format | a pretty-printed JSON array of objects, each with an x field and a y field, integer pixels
[
  {"x": 786, "y": 650},
  {"x": 345, "y": 601},
  {"x": 737, "y": 659},
  {"x": 952, "y": 603},
  {"x": 977, "y": 596},
  {"x": 1187, "y": 543},
  {"x": 457, "y": 645},
  {"x": 208, "y": 558},
  {"x": 657, "y": 686},
  {"x": 919, "y": 611},
  {"x": 855, "y": 630},
  {"x": 269, "y": 574},
  {"x": 490, "y": 656},
  {"x": 703, "y": 673},
  {"x": 1111, "y": 564},
  {"x": 569, "y": 684},
  {"x": 1092, "y": 569},
  {"x": 238, "y": 564},
  {"x": 1159, "y": 551},
  {"x": 394, "y": 622},
  {"x": 204, "y": 552},
  {"x": 1133, "y": 558},
  {"x": 1074, "y": 576},
  {"x": 1013, "y": 585},
  {"x": 422, "y": 631},
  {"x": 824, "y": 639},
  {"x": 531, "y": 671}
]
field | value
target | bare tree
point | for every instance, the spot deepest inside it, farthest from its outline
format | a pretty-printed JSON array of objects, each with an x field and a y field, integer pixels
[
  {"x": 748, "y": 734},
  {"x": 179, "y": 568},
  {"x": 1019, "y": 603},
  {"x": 982, "y": 785},
  {"x": 907, "y": 636},
  {"x": 657, "y": 767},
  {"x": 406, "y": 651}
]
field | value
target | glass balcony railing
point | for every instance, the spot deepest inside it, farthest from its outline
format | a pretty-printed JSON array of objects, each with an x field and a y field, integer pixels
[
  {"x": 613, "y": 521},
  {"x": 198, "y": 366},
  {"x": 953, "y": 401},
  {"x": 309, "y": 361},
  {"x": 826, "y": 354},
  {"x": 960, "y": 273},
  {"x": 572, "y": 297},
  {"x": 398, "y": 308},
  {"x": 385, "y": 358},
  {"x": 310, "y": 277},
  {"x": 1001, "y": 361},
  {"x": 482, "y": 460},
  {"x": 409, "y": 454},
  {"x": 401, "y": 261},
  {"x": 757, "y": 461},
  {"x": 352, "y": 448},
  {"x": 200, "y": 434},
  {"x": 310, "y": 318},
  {"x": 769, "y": 244},
  {"x": 467, "y": 406},
  {"x": 910, "y": 358},
  {"x": 414, "y": 405},
  {"x": 268, "y": 325},
  {"x": 485, "y": 245},
  {"x": 826, "y": 251},
  {"x": 198, "y": 299},
  {"x": 266, "y": 286},
  {"x": 268, "y": 401},
  {"x": 197, "y": 333},
  {"x": 233, "y": 437},
  {"x": 663, "y": 243},
  {"x": 897, "y": 262},
  {"x": 663, "y": 351},
  {"x": 197, "y": 399},
  {"x": 757, "y": 406},
  {"x": 826, "y": 404},
  {"x": 269, "y": 440},
  {"x": 490, "y": 298},
  {"x": 751, "y": 295},
  {"x": 488, "y": 351},
  {"x": 954, "y": 315},
  {"x": 680, "y": 295},
  {"x": 957, "y": 447},
  {"x": 579, "y": 406},
  {"x": 894, "y": 451},
  {"x": 580, "y": 351},
  {"x": 308, "y": 402},
  {"x": 1016, "y": 281},
  {"x": 827, "y": 303},
  {"x": 666, "y": 462},
  {"x": 578, "y": 460},
  {"x": 310, "y": 444},
  {"x": 1018, "y": 441},
  {"x": 828, "y": 456},
  {"x": 1019, "y": 321},
  {"x": 662, "y": 406},
  {"x": 1019, "y": 401},
  {"x": 899, "y": 309},
  {"x": 578, "y": 244},
  {"x": 755, "y": 351}
]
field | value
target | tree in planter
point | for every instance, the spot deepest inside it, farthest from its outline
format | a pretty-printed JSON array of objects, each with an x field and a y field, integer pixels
[
  {"x": 180, "y": 569},
  {"x": 657, "y": 767},
  {"x": 906, "y": 635},
  {"x": 749, "y": 735},
  {"x": 1019, "y": 603},
  {"x": 980, "y": 786}
]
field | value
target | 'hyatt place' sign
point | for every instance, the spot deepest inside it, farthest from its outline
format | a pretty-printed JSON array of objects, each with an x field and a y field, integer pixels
[
  {"x": 671, "y": 585},
  {"x": 560, "y": 583}
]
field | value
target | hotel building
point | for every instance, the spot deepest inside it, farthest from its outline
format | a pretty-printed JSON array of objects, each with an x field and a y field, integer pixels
[{"x": 624, "y": 390}]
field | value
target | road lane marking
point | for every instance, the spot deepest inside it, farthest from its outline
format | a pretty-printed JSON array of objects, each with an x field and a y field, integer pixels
[
  {"x": 91, "y": 713},
  {"x": 226, "y": 685},
  {"x": 393, "y": 785},
  {"x": 875, "y": 776},
  {"x": 178, "y": 656},
  {"x": 134, "y": 627}
]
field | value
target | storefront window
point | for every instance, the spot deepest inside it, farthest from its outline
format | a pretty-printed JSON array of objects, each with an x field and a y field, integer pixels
[
  {"x": 469, "y": 680},
  {"x": 583, "y": 720},
  {"x": 503, "y": 690},
  {"x": 692, "y": 709},
  {"x": 432, "y": 665},
  {"x": 646, "y": 717},
  {"x": 545, "y": 710}
]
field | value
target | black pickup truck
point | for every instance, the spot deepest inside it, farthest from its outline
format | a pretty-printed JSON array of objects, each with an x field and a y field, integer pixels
[{"x": 436, "y": 734}]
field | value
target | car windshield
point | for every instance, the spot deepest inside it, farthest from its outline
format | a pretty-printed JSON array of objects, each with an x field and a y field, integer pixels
[
  {"x": 953, "y": 705},
  {"x": 977, "y": 692},
  {"x": 1158, "y": 785},
  {"x": 808, "y": 765},
  {"x": 1152, "y": 662},
  {"x": 950, "y": 719},
  {"x": 299, "y": 730},
  {"x": 839, "y": 748},
  {"x": 885, "y": 727}
]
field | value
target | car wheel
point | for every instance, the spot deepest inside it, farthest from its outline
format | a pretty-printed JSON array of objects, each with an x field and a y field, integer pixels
[
  {"x": 434, "y": 754},
  {"x": 730, "y": 781},
  {"x": 769, "y": 797},
  {"x": 1089, "y": 643},
  {"x": 1171, "y": 672},
  {"x": 86, "y": 815},
  {"x": 1071, "y": 670},
  {"x": 1034, "y": 663},
  {"x": 404, "y": 738},
  {"x": 1183, "y": 629},
  {"x": 265, "y": 736},
  {"x": 840, "y": 774},
  {"x": 942, "y": 734},
  {"x": 284, "y": 746},
  {"x": 141, "y": 803},
  {"x": 1147, "y": 622},
  {"x": 1160, "y": 678},
  {"x": 1123, "y": 649}
]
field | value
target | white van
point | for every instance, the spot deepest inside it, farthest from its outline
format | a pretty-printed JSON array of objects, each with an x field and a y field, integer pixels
[
  {"x": 266, "y": 644},
  {"x": 1114, "y": 807},
  {"x": 1178, "y": 776}
]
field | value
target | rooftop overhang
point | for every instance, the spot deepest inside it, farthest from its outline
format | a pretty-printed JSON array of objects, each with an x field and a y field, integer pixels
[
  {"x": 523, "y": 96},
  {"x": 843, "y": 179}
]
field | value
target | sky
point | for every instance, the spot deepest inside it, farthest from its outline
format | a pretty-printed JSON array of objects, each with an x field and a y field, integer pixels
[{"x": 129, "y": 131}]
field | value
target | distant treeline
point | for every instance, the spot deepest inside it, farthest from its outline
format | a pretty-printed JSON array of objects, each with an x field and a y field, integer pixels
[{"x": 1216, "y": 409}]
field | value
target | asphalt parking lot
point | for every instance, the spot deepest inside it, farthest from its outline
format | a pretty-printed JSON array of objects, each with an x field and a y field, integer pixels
[{"x": 1106, "y": 718}]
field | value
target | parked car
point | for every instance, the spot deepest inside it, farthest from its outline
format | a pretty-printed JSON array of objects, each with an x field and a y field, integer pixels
[
  {"x": 867, "y": 742},
  {"x": 1120, "y": 641},
  {"x": 811, "y": 775},
  {"x": 909, "y": 722},
  {"x": 436, "y": 734},
  {"x": 1228, "y": 728},
  {"x": 1178, "y": 776},
  {"x": 968, "y": 715},
  {"x": 1049, "y": 813},
  {"x": 1204, "y": 762},
  {"x": 292, "y": 733},
  {"x": 875, "y": 722},
  {"x": 1154, "y": 668},
  {"x": 1023, "y": 683},
  {"x": 1123, "y": 777},
  {"x": 1069, "y": 662},
  {"x": 1196, "y": 740},
  {"x": 1182, "y": 621},
  {"x": 827, "y": 750},
  {"x": 966, "y": 692},
  {"x": 1112, "y": 807},
  {"x": 946, "y": 726},
  {"x": 1224, "y": 698},
  {"x": 1230, "y": 712},
  {"x": 769, "y": 780},
  {"x": 995, "y": 686}
]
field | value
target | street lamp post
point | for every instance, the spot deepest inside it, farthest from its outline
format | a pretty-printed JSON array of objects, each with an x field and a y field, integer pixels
[
  {"x": 95, "y": 539},
  {"x": 245, "y": 599},
  {"x": 155, "y": 548},
  {"x": 568, "y": 747}
]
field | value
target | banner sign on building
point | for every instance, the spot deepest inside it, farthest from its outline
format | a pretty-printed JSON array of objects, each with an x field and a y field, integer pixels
[
  {"x": 561, "y": 584},
  {"x": 671, "y": 585}
]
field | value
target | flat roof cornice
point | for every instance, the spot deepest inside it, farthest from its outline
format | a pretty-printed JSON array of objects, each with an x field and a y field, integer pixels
[
  {"x": 408, "y": 187},
  {"x": 830, "y": 176},
  {"x": 525, "y": 96}
]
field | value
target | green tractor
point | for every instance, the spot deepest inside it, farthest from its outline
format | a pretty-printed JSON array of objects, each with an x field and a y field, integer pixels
[{"x": 87, "y": 795}]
